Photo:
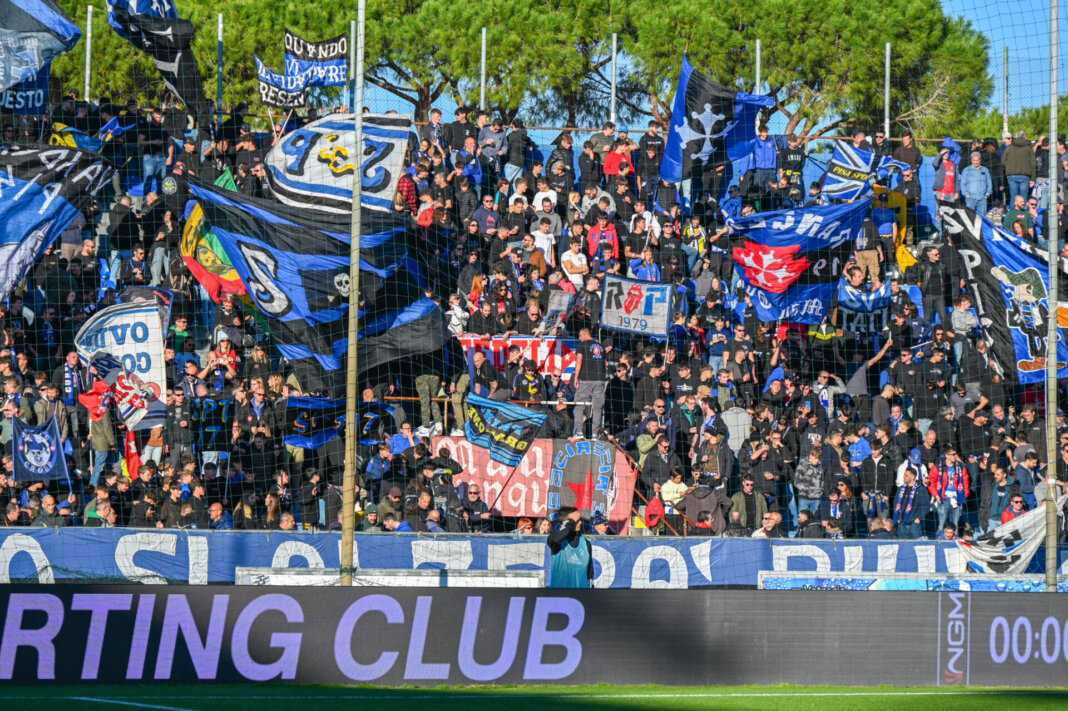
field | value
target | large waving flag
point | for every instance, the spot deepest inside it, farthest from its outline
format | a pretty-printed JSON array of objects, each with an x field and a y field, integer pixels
[
  {"x": 503, "y": 429},
  {"x": 43, "y": 189},
  {"x": 324, "y": 63},
  {"x": 38, "y": 452},
  {"x": 711, "y": 125},
  {"x": 152, "y": 8},
  {"x": 294, "y": 262},
  {"x": 169, "y": 41},
  {"x": 279, "y": 90},
  {"x": 791, "y": 260},
  {"x": 32, "y": 34},
  {"x": 1008, "y": 280}
]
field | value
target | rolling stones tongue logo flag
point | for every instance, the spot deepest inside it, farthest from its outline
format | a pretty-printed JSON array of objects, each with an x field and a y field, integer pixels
[{"x": 791, "y": 260}]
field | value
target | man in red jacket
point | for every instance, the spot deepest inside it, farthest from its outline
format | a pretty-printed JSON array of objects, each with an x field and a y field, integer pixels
[
  {"x": 603, "y": 231},
  {"x": 949, "y": 487}
]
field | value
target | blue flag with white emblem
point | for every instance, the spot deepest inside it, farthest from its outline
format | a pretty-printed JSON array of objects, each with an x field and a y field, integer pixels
[
  {"x": 294, "y": 262},
  {"x": 506, "y": 431},
  {"x": 152, "y": 8},
  {"x": 791, "y": 260},
  {"x": 711, "y": 125},
  {"x": 32, "y": 34},
  {"x": 43, "y": 189},
  {"x": 851, "y": 171},
  {"x": 38, "y": 452}
]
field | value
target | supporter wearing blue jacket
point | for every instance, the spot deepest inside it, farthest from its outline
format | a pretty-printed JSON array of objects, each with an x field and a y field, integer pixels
[
  {"x": 765, "y": 160},
  {"x": 645, "y": 269},
  {"x": 975, "y": 184}
]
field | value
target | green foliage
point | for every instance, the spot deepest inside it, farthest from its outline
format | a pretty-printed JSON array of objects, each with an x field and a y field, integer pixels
[{"x": 822, "y": 59}]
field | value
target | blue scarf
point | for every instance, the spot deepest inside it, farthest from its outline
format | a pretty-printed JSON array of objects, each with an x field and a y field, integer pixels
[
  {"x": 72, "y": 385},
  {"x": 908, "y": 506}
]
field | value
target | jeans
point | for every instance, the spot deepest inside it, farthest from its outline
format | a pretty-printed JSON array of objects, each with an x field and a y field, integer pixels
[
  {"x": 1042, "y": 192},
  {"x": 813, "y": 505},
  {"x": 910, "y": 530},
  {"x": 763, "y": 176},
  {"x": 935, "y": 304},
  {"x": 923, "y": 424},
  {"x": 117, "y": 258},
  {"x": 511, "y": 172},
  {"x": 100, "y": 461},
  {"x": 1018, "y": 185},
  {"x": 691, "y": 257},
  {"x": 161, "y": 258},
  {"x": 152, "y": 453},
  {"x": 947, "y": 513},
  {"x": 152, "y": 167},
  {"x": 992, "y": 524},
  {"x": 977, "y": 204},
  {"x": 591, "y": 391}
]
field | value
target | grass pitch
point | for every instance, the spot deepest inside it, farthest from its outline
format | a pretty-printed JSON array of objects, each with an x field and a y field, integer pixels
[{"x": 258, "y": 697}]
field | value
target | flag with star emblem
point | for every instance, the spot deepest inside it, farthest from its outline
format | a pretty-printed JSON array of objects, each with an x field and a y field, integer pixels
[
  {"x": 583, "y": 475},
  {"x": 711, "y": 125},
  {"x": 506, "y": 431},
  {"x": 791, "y": 260}
]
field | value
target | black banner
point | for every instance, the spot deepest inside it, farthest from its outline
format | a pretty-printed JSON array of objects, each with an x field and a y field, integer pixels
[
  {"x": 123, "y": 634},
  {"x": 213, "y": 420}
]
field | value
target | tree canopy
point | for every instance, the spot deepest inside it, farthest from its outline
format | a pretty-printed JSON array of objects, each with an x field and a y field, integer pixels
[{"x": 822, "y": 59}]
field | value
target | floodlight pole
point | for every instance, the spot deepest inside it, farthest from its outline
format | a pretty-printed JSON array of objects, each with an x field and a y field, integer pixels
[
  {"x": 348, "y": 491},
  {"x": 1052, "y": 332}
]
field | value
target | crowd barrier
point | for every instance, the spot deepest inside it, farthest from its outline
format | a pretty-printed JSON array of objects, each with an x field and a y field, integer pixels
[
  {"x": 203, "y": 557},
  {"x": 431, "y": 637}
]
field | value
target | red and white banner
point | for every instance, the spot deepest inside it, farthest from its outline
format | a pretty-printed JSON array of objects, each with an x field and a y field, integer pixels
[
  {"x": 549, "y": 353},
  {"x": 528, "y": 491}
]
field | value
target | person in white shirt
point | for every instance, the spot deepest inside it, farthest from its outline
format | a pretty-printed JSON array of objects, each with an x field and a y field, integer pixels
[
  {"x": 545, "y": 240},
  {"x": 575, "y": 263}
]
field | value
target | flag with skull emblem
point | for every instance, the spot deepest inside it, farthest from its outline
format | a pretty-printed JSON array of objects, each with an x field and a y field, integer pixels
[
  {"x": 791, "y": 260},
  {"x": 711, "y": 125},
  {"x": 294, "y": 263}
]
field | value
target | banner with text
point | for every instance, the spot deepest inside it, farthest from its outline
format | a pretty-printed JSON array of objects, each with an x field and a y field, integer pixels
[
  {"x": 636, "y": 306},
  {"x": 548, "y": 353}
]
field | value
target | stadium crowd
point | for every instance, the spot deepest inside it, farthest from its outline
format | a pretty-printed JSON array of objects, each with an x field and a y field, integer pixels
[{"x": 735, "y": 426}]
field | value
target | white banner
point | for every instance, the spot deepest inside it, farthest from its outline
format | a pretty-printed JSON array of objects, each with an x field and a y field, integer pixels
[
  {"x": 636, "y": 306},
  {"x": 1009, "y": 547},
  {"x": 312, "y": 166},
  {"x": 133, "y": 336}
]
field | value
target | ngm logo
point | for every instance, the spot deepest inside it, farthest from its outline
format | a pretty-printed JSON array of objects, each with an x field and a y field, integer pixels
[{"x": 954, "y": 612}]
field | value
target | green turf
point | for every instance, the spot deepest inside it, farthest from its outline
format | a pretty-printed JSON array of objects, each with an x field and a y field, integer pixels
[{"x": 271, "y": 697}]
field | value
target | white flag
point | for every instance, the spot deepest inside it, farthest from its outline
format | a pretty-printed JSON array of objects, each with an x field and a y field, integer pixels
[{"x": 1009, "y": 547}]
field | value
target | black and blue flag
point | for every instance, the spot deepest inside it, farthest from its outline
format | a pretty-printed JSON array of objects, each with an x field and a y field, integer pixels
[
  {"x": 324, "y": 63},
  {"x": 32, "y": 34},
  {"x": 311, "y": 422},
  {"x": 169, "y": 41},
  {"x": 164, "y": 9},
  {"x": 38, "y": 452},
  {"x": 295, "y": 264},
  {"x": 791, "y": 260},
  {"x": 505, "y": 430},
  {"x": 711, "y": 125},
  {"x": 43, "y": 189}
]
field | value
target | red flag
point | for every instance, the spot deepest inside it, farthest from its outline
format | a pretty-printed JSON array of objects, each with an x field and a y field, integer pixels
[
  {"x": 133, "y": 458},
  {"x": 654, "y": 512},
  {"x": 97, "y": 400}
]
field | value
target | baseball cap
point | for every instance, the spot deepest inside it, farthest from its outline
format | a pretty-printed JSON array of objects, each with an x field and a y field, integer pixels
[{"x": 914, "y": 455}]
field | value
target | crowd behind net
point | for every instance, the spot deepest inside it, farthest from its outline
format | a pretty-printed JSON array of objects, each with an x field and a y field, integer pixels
[{"x": 821, "y": 315}]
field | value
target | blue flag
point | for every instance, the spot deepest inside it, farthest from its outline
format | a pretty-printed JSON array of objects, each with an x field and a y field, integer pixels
[
  {"x": 323, "y": 63},
  {"x": 152, "y": 8},
  {"x": 32, "y": 34},
  {"x": 854, "y": 299},
  {"x": 711, "y": 125},
  {"x": 851, "y": 171},
  {"x": 38, "y": 452},
  {"x": 505, "y": 430},
  {"x": 791, "y": 260},
  {"x": 311, "y": 422},
  {"x": 44, "y": 190}
]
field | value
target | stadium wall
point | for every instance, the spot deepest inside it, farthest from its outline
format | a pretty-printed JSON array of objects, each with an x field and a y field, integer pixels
[
  {"x": 424, "y": 637},
  {"x": 204, "y": 557}
]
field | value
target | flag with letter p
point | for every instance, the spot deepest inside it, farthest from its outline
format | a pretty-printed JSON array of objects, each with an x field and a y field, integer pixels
[
  {"x": 38, "y": 452},
  {"x": 505, "y": 430},
  {"x": 636, "y": 306}
]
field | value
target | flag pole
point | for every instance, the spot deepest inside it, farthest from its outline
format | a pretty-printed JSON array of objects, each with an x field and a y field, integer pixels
[
  {"x": 88, "y": 50},
  {"x": 1052, "y": 330},
  {"x": 348, "y": 491}
]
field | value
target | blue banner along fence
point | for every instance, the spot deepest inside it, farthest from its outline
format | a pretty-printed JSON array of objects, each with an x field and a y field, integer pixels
[{"x": 202, "y": 557}]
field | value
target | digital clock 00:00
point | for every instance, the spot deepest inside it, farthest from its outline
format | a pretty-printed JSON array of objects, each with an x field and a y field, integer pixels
[{"x": 1025, "y": 642}]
